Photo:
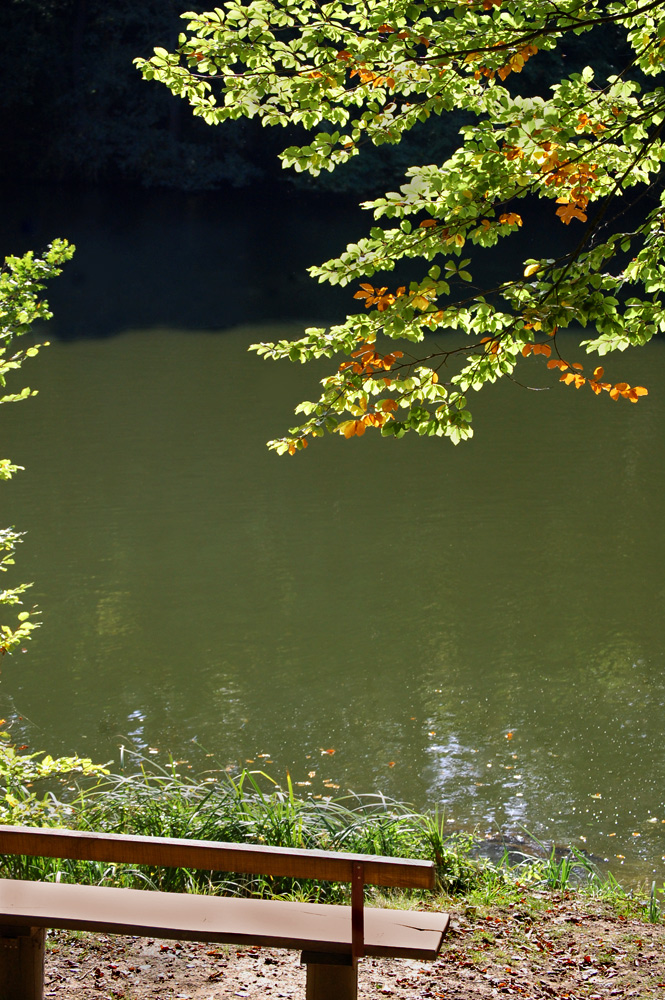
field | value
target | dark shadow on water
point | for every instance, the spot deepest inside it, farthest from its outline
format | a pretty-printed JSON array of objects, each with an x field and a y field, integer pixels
[
  {"x": 195, "y": 261},
  {"x": 217, "y": 259}
]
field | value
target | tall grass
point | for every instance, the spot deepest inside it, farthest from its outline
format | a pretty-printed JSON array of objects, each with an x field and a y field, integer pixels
[
  {"x": 150, "y": 800},
  {"x": 248, "y": 808}
]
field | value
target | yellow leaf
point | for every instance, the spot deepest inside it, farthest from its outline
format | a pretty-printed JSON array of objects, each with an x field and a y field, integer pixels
[{"x": 531, "y": 269}]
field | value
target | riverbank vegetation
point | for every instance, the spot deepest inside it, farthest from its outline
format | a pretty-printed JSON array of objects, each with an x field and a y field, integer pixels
[{"x": 249, "y": 807}]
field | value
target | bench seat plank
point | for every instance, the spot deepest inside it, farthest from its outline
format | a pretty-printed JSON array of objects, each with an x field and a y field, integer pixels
[{"x": 308, "y": 927}]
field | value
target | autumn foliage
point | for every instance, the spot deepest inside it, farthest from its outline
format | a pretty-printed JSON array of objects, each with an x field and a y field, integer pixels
[{"x": 591, "y": 151}]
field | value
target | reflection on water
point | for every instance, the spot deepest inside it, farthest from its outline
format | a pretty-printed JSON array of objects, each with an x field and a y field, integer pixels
[{"x": 478, "y": 627}]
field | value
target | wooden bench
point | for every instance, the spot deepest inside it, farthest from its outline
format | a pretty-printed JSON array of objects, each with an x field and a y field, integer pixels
[{"x": 331, "y": 938}]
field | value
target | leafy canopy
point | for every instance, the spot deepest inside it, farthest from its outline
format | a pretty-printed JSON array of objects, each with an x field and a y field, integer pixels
[
  {"x": 21, "y": 281},
  {"x": 366, "y": 71}
]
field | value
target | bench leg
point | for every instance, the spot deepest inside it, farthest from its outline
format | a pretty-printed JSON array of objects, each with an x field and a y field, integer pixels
[
  {"x": 22, "y": 962},
  {"x": 330, "y": 977}
]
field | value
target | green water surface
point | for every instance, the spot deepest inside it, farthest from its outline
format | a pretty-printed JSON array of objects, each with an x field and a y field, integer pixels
[{"x": 478, "y": 627}]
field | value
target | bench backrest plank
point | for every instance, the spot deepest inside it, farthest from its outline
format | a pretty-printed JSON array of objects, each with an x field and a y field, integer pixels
[{"x": 327, "y": 866}]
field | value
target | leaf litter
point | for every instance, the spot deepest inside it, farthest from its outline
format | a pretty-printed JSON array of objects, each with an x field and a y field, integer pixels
[{"x": 565, "y": 948}]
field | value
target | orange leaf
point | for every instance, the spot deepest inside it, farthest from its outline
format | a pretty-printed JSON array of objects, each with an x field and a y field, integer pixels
[
  {"x": 598, "y": 372},
  {"x": 576, "y": 365},
  {"x": 526, "y": 350},
  {"x": 426, "y": 223},
  {"x": 639, "y": 390},
  {"x": 570, "y": 211}
]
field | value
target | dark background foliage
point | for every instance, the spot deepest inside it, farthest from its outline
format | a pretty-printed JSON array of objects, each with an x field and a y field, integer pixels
[{"x": 75, "y": 108}]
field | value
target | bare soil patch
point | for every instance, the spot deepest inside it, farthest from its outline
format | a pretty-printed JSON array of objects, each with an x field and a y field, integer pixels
[{"x": 567, "y": 949}]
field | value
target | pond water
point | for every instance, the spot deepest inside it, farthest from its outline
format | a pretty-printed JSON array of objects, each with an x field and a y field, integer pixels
[{"x": 478, "y": 628}]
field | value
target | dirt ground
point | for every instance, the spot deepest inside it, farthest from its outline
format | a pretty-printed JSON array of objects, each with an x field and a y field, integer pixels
[{"x": 567, "y": 950}]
